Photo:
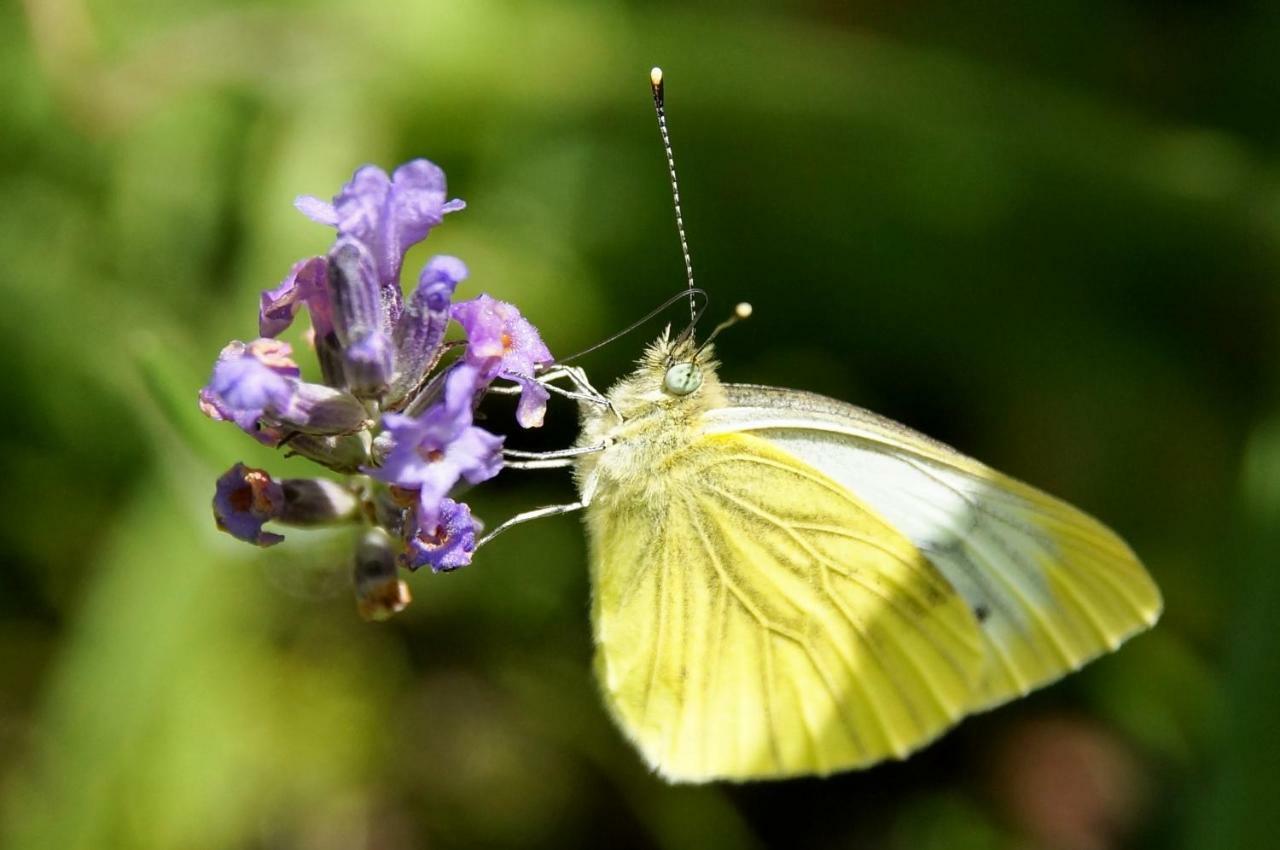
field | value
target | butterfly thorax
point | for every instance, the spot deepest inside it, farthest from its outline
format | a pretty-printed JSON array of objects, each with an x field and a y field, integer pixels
[{"x": 648, "y": 425}]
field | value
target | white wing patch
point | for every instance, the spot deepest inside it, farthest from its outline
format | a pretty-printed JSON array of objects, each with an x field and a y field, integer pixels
[{"x": 1052, "y": 587}]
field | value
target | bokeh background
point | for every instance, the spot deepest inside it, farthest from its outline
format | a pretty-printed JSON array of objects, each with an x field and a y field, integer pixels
[{"x": 1048, "y": 234}]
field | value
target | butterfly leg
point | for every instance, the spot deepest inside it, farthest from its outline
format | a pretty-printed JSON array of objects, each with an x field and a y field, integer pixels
[
  {"x": 582, "y": 389},
  {"x": 579, "y": 379},
  {"x": 514, "y": 459},
  {"x": 587, "y": 397},
  {"x": 539, "y": 513},
  {"x": 575, "y": 375}
]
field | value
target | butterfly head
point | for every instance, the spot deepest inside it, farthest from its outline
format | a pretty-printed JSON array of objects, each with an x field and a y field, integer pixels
[
  {"x": 674, "y": 376},
  {"x": 681, "y": 365}
]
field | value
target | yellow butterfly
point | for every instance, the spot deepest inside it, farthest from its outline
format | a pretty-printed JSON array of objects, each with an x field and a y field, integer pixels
[{"x": 786, "y": 585}]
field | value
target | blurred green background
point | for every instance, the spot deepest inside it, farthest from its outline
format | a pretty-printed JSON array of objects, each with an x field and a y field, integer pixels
[{"x": 1048, "y": 234}]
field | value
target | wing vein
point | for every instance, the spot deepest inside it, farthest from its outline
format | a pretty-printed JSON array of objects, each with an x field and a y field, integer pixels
[
  {"x": 859, "y": 629},
  {"x": 659, "y": 614},
  {"x": 771, "y": 628},
  {"x": 828, "y": 564}
]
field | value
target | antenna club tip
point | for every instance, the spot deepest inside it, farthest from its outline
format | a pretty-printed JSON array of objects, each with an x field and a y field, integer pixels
[
  {"x": 655, "y": 76},
  {"x": 743, "y": 310}
]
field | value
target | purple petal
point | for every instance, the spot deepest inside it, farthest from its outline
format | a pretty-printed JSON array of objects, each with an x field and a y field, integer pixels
[
  {"x": 474, "y": 455},
  {"x": 245, "y": 499},
  {"x": 440, "y": 276},
  {"x": 495, "y": 329},
  {"x": 316, "y": 210},
  {"x": 532, "y": 407},
  {"x": 484, "y": 325},
  {"x": 445, "y": 544},
  {"x": 418, "y": 444},
  {"x": 246, "y": 420},
  {"x": 360, "y": 205},
  {"x": 388, "y": 215},
  {"x": 305, "y": 284},
  {"x": 248, "y": 381},
  {"x": 417, "y": 202},
  {"x": 503, "y": 343},
  {"x": 462, "y": 385},
  {"x": 254, "y": 375},
  {"x": 477, "y": 454}
]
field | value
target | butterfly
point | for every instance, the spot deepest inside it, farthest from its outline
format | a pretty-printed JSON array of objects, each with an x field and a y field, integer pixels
[{"x": 787, "y": 585}]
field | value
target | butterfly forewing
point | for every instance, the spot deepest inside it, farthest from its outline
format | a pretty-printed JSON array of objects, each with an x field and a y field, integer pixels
[
  {"x": 1052, "y": 587},
  {"x": 754, "y": 618}
]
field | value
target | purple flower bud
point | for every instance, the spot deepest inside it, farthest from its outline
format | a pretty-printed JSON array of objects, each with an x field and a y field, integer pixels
[
  {"x": 360, "y": 317},
  {"x": 387, "y": 215},
  {"x": 503, "y": 344},
  {"x": 345, "y": 453},
  {"x": 325, "y": 411},
  {"x": 379, "y": 591},
  {"x": 446, "y": 544},
  {"x": 312, "y": 502},
  {"x": 245, "y": 499},
  {"x": 419, "y": 333},
  {"x": 430, "y": 453},
  {"x": 329, "y": 354}
]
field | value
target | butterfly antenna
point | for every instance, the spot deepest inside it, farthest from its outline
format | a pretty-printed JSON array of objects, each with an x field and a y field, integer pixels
[
  {"x": 742, "y": 311},
  {"x": 655, "y": 83},
  {"x": 692, "y": 294}
]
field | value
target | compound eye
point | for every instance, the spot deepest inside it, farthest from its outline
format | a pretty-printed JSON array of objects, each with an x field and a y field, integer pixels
[{"x": 682, "y": 379}]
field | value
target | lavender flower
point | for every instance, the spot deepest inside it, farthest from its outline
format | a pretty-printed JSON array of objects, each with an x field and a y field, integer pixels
[
  {"x": 383, "y": 407},
  {"x": 446, "y": 544},
  {"x": 245, "y": 499},
  {"x": 388, "y": 215},
  {"x": 247, "y": 380},
  {"x": 503, "y": 344},
  {"x": 430, "y": 453},
  {"x": 258, "y": 381}
]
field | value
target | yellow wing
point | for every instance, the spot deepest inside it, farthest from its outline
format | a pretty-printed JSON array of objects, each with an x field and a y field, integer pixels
[
  {"x": 1053, "y": 587},
  {"x": 755, "y": 619}
]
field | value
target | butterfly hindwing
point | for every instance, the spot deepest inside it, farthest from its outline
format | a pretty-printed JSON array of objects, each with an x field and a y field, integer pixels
[{"x": 754, "y": 618}]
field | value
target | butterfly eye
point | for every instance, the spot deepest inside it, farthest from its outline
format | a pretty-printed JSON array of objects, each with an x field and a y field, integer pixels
[{"x": 682, "y": 379}]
